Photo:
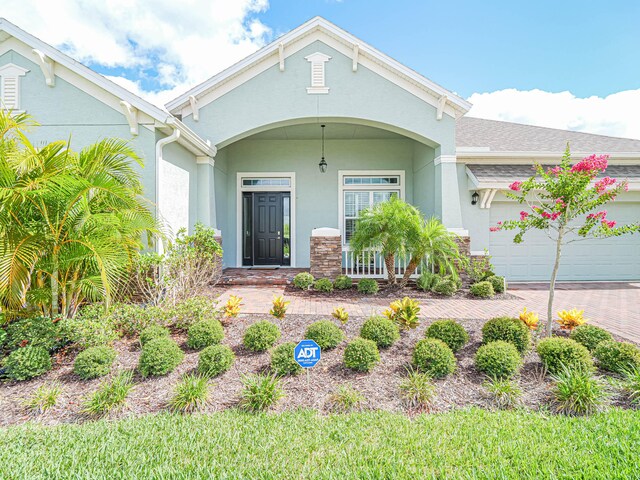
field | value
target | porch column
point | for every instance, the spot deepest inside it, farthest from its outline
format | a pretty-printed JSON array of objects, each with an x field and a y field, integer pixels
[
  {"x": 206, "y": 191},
  {"x": 448, "y": 193},
  {"x": 326, "y": 253}
]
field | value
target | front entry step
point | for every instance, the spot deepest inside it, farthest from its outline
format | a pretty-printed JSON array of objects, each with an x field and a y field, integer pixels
[{"x": 259, "y": 276}]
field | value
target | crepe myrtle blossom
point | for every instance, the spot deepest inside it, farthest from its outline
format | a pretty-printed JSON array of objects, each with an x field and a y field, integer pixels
[{"x": 565, "y": 202}]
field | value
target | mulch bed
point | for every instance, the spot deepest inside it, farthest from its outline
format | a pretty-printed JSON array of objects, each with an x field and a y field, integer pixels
[{"x": 380, "y": 387}]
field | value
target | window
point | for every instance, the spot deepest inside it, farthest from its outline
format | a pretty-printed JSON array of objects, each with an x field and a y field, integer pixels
[
  {"x": 356, "y": 201},
  {"x": 392, "y": 180},
  {"x": 266, "y": 182},
  {"x": 10, "y": 86}
]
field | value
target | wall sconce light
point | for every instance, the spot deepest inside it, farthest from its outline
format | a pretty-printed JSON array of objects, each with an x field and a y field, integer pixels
[{"x": 474, "y": 198}]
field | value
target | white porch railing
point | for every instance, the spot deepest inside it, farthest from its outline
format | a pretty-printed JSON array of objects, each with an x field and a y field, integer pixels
[{"x": 370, "y": 264}]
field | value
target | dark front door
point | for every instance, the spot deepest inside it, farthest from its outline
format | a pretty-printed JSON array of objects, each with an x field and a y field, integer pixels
[{"x": 268, "y": 228}]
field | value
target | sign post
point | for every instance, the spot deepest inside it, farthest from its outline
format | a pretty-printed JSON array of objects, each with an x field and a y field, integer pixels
[{"x": 307, "y": 354}]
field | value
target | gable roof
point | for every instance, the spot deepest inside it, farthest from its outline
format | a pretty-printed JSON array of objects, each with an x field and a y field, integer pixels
[
  {"x": 481, "y": 137},
  {"x": 187, "y": 137},
  {"x": 319, "y": 24}
]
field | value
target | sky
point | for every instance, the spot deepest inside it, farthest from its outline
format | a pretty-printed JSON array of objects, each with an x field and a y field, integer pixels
[{"x": 563, "y": 64}]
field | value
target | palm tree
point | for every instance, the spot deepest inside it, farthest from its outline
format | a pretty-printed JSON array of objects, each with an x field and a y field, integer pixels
[
  {"x": 70, "y": 223},
  {"x": 385, "y": 227},
  {"x": 431, "y": 240}
]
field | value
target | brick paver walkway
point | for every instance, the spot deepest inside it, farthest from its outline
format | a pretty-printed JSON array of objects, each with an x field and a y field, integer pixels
[{"x": 616, "y": 308}]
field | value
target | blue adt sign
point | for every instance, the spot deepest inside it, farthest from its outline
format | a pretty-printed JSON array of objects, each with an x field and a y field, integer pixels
[{"x": 307, "y": 353}]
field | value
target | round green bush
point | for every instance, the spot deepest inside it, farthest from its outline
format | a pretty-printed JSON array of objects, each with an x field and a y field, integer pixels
[
  {"x": 361, "y": 355},
  {"x": 381, "y": 330},
  {"x": 94, "y": 362},
  {"x": 590, "y": 336},
  {"x": 368, "y": 286},
  {"x": 617, "y": 357},
  {"x": 498, "y": 359},
  {"x": 152, "y": 332},
  {"x": 215, "y": 360},
  {"x": 510, "y": 330},
  {"x": 303, "y": 280},
  {"x": 482, "y": 289},
  {"x": 323, "y": 285},
  {"x": 445, "y": 286},
  {"x": 204, "y": 334},
  {"x": 159, "y": 357},
  {"x": 261, "y": 336},
  {"x": 28, "y": 362},
  {"x": 325, "y": 333},
  {"x": 282, "y": 361},
  {"x": 558, "y": 351},
  {"x": 450, "y": 332},
  {"x": 343, "y": 282},
  {"x": 498, "y": 283},
  {"x": 434, "y": 357},
  {"x": 34, "y": 332}
]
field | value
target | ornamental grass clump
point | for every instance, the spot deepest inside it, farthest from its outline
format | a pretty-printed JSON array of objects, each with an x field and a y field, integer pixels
[
  {"x": 361, "y": 355},
  {"x": 417, "y": 390},
  {"x": 498, "y": 359},
  {"x": 434, "y": 357},
  {"x": 160, "y": 357},
  {"x": 27, "y": 363},
  {"x": 482, "y": 289},
  {"x": 215, "y": 360},
  {"x": 504, "y": 393},
  {"x": 152, "y": 332},
  {"x": 578, "y": 392},
  {"x": 43, "y": 398},
  {"x": 450, "y": 332},
  {"x": 190, "y": 394},
  {"x": 631, "y": 384},
  {"x": 404, "y": 312},
  {"x": 368, "y": 286},
  {"x": 346, "y": 399},
  {"x": 325, "y": 333},
  {"x": 282, "y": 361},
  {"x": 557, "y": 353},
  {"x": 343, "y": 282},
  {"x": 110, "y": 396},
  {"x": 617, "y": 357},
  {"x": 94, "y": 362},
  {"x": 323, "y": 285},
  {"x": 260, "y": 392},
  {"x": 383, "y": 331},
  {"x": 590, "y": 336},
  {"x": 261, "y": 336},
  {"x": 204, "y": 334},
  {"x": 303, "y": 280},
  {"x": 510, "y": 330}
]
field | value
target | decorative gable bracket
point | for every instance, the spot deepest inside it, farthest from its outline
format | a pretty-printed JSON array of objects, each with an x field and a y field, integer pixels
[
  {"x": 10, "y": 86},
  {"x": 47, "y": 65},
  {"x": 318, "y": 61},
  {"x": 131, "y": 114}
]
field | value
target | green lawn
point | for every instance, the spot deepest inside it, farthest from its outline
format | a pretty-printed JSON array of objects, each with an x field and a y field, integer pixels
[{"x": 464, "y": 444}]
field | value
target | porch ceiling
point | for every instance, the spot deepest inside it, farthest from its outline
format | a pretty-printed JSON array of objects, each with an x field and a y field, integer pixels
[{"x": 340, "y": 131}]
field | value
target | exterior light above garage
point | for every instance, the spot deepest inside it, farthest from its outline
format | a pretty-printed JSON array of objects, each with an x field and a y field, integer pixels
[{"x": 474, "y": 198}]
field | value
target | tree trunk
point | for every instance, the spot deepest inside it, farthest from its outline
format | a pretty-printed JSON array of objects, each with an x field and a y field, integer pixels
[
  {"x": 390, "y": 264},
  {"x": 54, "y": 286},
  {"x": 411, "y": 267},
  {"x": 552, "y": 285}
]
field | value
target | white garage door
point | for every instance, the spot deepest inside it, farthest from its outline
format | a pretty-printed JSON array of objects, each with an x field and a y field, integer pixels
[{"x": 614, "y": 258}]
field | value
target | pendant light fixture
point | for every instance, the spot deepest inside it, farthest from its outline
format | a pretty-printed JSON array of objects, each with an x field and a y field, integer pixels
[{"x": 323, "y": 162}]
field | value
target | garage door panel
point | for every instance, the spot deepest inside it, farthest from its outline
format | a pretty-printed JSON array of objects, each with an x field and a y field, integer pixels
[{"x": 613, "y": 258}]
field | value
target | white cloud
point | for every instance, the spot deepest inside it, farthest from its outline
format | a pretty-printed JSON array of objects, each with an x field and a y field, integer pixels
[
  {"x": 616, "y": 114},
  {"x": 179, "y": 43}
]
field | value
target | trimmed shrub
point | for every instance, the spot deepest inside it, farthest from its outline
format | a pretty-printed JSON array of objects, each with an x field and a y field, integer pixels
[
  {"x": 303, "y": 280},
  {"x": 361, "y": 355},
  {"x": 381, "y": 330},
  {"x": 33, "y": 332},
  {"x": 482, "y": 289},
  {"x": 556, "y": 352},
  {"x": 434, "y": 357},
  {"x": 323, "y": 285},
  {"x": 152, "y": 332},
  {"x": 450, "y": 332},
  {"x": 3, "y": 337},
  {"x": 617, "y": 357},
  {"x": 88, "y": 331},
  {"x": 427, "y": 280},
  {"x": 590, "y": 336},
  {"x": 325, "y": 333},
  {"x": 215, "y": 360},
  {"x": 445, "y": 286},
  {"x": 94, "y": 362},
  {"x": 508, "y": 329},
  {"x": 204, "y": 334},
  {"x": 498, "y": 359},
  {"x": 498, "y": 283},
  {"x": 368, "y": 286},
  {"x": 261, "y": 336},
  {"x": 282, "y": 361},
  {"x": 343, "y": 282},
  {"x": 26, "y": 363},
  {"x": 159, "y": 357},
  {"x": 133, "y": 319},
  {"x": 192, "y": 310}
]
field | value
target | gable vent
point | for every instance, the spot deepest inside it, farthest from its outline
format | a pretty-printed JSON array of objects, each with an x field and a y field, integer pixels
[
  {"x": 10, "y": 86},
  {"x": 318, "y": 61}
]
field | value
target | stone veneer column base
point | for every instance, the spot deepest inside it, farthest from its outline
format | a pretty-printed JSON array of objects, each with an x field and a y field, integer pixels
[{"x": 326, "y": 253}]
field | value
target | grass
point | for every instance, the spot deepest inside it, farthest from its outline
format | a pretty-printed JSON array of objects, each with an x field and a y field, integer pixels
[
  {"x": 110, "y": 395},
  {"x": 504, "y": 393},
  {"x": 190, "y": 394},
  {"x": 417, "y": 390},
  {"x": 44, "y": 398},
  {"x": 260, "y": 392},
  {"x": 346, "y": 399},
  {"x": 470, "y": 443}
]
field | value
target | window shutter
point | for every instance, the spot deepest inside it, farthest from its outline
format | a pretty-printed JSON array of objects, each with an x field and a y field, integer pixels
[
  {"x": 317, "y": 74},
  {"x": 10, "y": 93}
]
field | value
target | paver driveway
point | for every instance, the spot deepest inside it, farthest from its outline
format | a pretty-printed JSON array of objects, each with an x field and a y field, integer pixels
[{"x": 615, "y": 307}]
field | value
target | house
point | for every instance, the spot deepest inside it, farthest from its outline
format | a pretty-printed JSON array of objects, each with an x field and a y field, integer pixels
[{"x": 306, "y": 132}]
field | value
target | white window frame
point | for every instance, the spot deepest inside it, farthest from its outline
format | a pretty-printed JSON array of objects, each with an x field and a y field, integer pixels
[
  {"x": 368, "y": 187},
  {"x": 266, "y": 188}
]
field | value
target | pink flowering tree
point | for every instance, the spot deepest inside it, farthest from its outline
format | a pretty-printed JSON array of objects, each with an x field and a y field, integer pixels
[{"x": 567, "y": 202}]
